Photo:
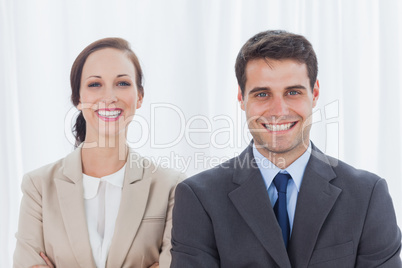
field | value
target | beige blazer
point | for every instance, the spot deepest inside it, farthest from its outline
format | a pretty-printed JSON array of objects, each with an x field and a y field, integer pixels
[{"x": 52, "y": 216}]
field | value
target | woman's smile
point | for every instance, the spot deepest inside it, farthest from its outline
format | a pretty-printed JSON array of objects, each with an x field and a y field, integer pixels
[{"x": 109, "y": 114}]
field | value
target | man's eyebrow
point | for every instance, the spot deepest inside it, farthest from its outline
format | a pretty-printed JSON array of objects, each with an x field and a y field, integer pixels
[
  {"x": 296, "y": 87},
  {"x": 259, "y": 89}
]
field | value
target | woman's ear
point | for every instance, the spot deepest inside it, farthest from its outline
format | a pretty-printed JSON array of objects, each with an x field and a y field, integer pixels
[{"x": 140, "y": 99}]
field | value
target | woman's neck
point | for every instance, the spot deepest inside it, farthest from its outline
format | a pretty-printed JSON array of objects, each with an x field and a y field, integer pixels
[{"x": 102, "y": 160}]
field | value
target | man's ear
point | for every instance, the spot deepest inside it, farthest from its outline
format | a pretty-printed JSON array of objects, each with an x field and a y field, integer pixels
[
  {"x": 240, "y": 98},
  {"x": 316, "y": 92}
]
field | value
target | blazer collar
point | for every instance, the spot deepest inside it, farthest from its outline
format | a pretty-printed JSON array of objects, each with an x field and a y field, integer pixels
[
  {"x": 138, "y": 178},
  {"x": 252, "y": 202},
  {"x": 244, "y": 165},
  {"x": 73, "y": 165},
  {"x": 316, "y": 198},
  {"x": 70, "y": 194}
]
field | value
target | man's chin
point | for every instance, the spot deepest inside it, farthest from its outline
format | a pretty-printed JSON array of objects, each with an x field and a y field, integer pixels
[{"x": 278, "y": 148}]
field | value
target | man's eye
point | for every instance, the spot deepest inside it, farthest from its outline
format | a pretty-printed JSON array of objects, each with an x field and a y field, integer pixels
[
  {"x": 94, "y": 85},
  {"x": 293, "y": 92},
  {"x": 262, "y": 94},
  {"x": 124, "y": 84}
]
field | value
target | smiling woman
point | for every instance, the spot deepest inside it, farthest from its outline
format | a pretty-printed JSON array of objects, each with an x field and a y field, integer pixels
[
  {"x": 108, "y": 96},
  {"x": 102, "y": 205},
  {"x": 112, "y": 58}
]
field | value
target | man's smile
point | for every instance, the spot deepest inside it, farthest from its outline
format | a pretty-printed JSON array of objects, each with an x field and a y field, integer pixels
[{"x": 279, "y": 127}]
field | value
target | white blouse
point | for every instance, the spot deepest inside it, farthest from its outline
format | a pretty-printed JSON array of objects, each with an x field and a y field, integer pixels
[{"x": 102, "y": 200}]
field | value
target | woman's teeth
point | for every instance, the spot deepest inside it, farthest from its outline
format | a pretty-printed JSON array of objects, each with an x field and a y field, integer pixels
[{"x": 109, "y": 114}]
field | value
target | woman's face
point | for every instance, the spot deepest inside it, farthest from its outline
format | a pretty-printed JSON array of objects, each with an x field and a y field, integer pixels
[{"x": 108, "y": 94}]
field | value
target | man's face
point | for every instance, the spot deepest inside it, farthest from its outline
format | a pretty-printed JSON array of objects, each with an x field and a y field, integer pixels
[{"x": 278, "y": 102}]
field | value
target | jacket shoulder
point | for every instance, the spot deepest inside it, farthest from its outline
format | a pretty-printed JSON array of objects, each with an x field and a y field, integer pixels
[
  {"x": 352, "y": 181},
  {"x": 151, "y": 170},
  {"x": 214, "y": 177},
  {"x": 46, "y": 172},
  {"x": 353, "y": 175}
]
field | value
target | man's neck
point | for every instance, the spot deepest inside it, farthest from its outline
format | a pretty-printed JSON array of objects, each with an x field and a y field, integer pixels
[{"x": 282, "y": 159}]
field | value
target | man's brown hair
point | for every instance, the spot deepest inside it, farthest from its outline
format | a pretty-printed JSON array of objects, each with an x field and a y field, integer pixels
[{"x": 276, "y": 45}]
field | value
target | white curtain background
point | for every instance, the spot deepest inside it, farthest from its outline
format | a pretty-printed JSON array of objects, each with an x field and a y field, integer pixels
[{"x": 190, "y": 119}]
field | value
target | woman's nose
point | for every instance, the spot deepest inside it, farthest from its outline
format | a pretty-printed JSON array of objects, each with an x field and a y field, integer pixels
[{"x": 109, "y": 97}]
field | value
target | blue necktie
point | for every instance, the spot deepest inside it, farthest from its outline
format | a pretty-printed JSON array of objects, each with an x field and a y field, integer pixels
[{"x": 280, "y": 208}]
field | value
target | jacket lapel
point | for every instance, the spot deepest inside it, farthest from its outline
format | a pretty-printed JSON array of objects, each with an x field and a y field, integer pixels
[
  {"x": 252, "y": 202},
  {"x": 70, "y": 195},
  {"x": 315, "y": 200},
  {"x": 132, "y": 207}
]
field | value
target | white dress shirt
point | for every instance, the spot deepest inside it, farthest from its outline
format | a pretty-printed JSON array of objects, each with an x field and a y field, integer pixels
[
  {"x": 102, "y": 200},
  {"x": 296, "y": 170}
]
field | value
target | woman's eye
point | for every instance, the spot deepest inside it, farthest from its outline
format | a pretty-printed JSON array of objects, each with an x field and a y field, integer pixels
[
  {"x": 124, "y": 84},
  {"x": 94, "y": 85}
]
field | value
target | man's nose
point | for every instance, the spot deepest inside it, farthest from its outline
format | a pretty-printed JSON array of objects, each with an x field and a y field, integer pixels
[{"x": 278, "y": 107}]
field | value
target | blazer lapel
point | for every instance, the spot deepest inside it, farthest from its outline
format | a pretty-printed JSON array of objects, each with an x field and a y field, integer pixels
[
  {"x": 252, "y": 201},
  {"x": 132, "y": 207},
  {"x": 315, "y": 200},
  {"x": 70, "y": 195}
]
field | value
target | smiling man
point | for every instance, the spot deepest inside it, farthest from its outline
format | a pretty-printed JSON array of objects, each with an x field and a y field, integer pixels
[
  {"x": 282, "y": 202},
  {"x": 278, "y": 102}
]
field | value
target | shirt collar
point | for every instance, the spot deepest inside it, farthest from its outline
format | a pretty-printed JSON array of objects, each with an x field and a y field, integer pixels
[
  {"x": 269, "y": 170},
  {"x": 91, "y": 184}
]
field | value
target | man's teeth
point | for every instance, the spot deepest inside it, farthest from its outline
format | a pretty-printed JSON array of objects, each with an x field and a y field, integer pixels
[
  {"x": 279, "y": 127},
  {"x": 112, "y": 114}
]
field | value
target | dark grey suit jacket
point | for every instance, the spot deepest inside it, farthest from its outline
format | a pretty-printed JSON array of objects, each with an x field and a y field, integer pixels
[{"x": 344, "y": 218}]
